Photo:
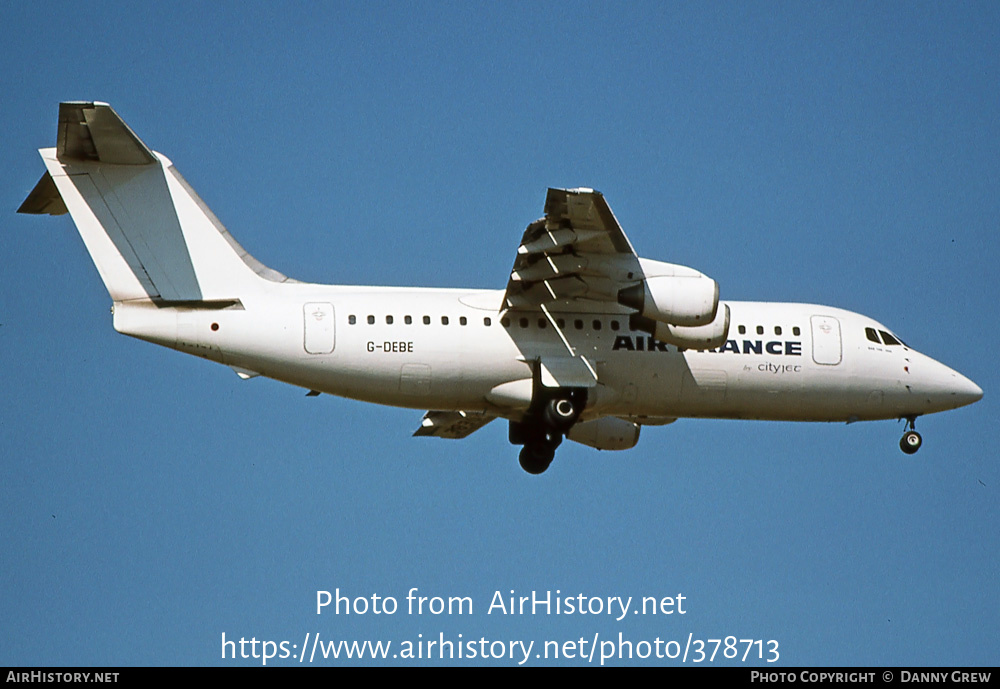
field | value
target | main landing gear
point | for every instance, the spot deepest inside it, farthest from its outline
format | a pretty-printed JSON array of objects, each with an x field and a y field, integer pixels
[
  {"x": 542, "y": 430},
  {"x": 538, "y": 453},
  {"x": 911, "y": 440}
]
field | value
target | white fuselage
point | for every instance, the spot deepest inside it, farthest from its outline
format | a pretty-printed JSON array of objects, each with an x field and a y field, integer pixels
[{"x": 446, "y": 349}]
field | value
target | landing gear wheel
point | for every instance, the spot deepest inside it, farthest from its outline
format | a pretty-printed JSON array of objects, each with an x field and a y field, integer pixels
[
  {"x": 536, "y": 458},
  {"x": 560, "y": 413},
  {"x": 910, "y": 442}
]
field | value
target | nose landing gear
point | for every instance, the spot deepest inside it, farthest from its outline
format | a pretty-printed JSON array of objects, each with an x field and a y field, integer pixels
[{"x": 911, "y": 440}]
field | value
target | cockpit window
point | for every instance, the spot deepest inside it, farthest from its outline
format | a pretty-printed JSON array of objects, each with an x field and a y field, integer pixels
[
  {"x": 889, "y": 339},
  {"x": 872, "y": 335}
]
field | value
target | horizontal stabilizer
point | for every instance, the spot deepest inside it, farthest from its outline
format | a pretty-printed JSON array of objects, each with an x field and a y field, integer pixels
[
  {"x": 44, "y": 199},
  {"x": 95, "y": 132}
]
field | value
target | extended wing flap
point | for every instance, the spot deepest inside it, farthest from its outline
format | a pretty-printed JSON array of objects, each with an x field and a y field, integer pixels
[
  {"x": 568, "y": 372},
  {"x": 452, "y": 424}
]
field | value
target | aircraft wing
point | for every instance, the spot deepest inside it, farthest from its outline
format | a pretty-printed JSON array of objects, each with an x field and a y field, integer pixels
[
  {"x": 452, "y": 424},
  {"x": 578, "y": 251}
]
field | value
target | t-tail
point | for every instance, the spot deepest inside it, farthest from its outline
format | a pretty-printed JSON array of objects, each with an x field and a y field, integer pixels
[{"x": 155, "y": 243}]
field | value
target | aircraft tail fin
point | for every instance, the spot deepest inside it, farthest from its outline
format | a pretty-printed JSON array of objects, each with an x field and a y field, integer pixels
[{"x": 148, "y": 232}]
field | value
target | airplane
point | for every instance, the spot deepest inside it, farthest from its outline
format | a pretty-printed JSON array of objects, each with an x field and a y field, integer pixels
[{"x": 587, "y": 342}]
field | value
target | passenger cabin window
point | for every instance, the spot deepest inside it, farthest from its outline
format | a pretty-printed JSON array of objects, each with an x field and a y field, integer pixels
[
  {"x": 578, "y": 324},
  {"x": 796, "y": 331},
  {"x": 523, "y": 322},
  {"x": 427, "y": 320},
  {"x": 371, "y": 320},
  {"x": 777, "y": 330},
  {"x": 462, "y": 320},
  {"x": 388, "y": 320},
  {"x": 487, "y": 322},
  {"x": 743, "y": 330},
  {"x": 444, "y": 320},
  {"x": 408, "y": 320},
  {"x": 352, "y": 320},
  {"x": 760, "y": 329}
]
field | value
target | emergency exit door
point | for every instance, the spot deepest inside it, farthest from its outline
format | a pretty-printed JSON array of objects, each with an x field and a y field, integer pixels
[{"x": 319, "y": 327}]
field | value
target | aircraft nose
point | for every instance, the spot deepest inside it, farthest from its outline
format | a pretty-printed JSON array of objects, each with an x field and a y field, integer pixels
[
  {"x": 967, "y": 391},
  {"x": 943, "y": 387},
  {"x": 961, "y": 391}
]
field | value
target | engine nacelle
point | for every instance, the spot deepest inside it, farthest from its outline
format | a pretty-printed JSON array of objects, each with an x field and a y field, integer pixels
[
  {"x": 685, "y": 300},
  {"x": 708, "y": 336},
  {"x": 606, "y": 433}
]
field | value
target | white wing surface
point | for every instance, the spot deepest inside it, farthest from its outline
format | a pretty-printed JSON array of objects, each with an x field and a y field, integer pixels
[
  {"x": 577, "y": 258},
  {"x": 578, "y": 251}
]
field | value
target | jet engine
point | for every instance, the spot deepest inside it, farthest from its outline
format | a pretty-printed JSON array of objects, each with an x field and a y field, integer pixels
[
  {"x": 708, "y": 336},
  {"x": 606, "y": 433},
  {"x": 683, "y": 297}
]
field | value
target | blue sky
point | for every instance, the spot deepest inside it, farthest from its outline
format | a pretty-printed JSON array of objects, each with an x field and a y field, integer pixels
[{"x": 842, "y": 154}]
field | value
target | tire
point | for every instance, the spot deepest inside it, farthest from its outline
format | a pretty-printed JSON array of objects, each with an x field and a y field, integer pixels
[
  {"x": 560, "y": 414},
  {"x": 535, "y": 460},
  {"x": 910, "y": 442}
]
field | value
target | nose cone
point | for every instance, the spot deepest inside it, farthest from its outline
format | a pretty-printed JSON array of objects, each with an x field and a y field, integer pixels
[
  {"x": 947, "y": 388},
  {"x": 965, "y": 391}
]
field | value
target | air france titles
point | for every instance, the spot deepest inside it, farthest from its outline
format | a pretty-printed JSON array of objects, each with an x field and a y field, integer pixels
[
  {"x": 539, "y": 603},
  {"x": 647, "y": 343}
]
